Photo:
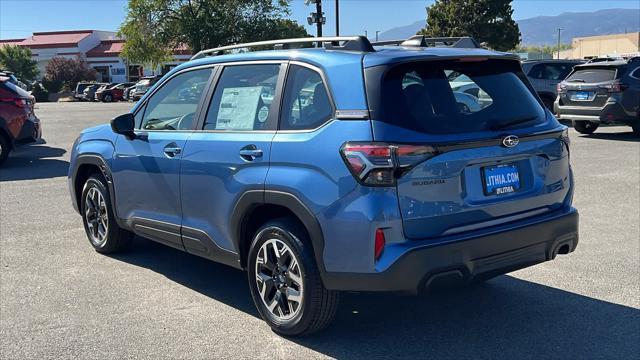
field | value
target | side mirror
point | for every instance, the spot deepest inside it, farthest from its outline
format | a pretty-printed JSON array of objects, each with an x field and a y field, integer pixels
[{"x": 124, "y": 125}]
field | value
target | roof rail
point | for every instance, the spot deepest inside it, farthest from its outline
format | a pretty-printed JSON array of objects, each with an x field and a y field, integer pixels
[
  {"x": 604, "y": 59},
  {"x": 423, "y": 41},
  {"x": 349, "y": 43}
]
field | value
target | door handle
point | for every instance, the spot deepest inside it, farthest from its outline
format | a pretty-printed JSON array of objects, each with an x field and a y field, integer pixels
[
  {"x": 250, "y": 153},
  {"x": 172, "y": 150}
]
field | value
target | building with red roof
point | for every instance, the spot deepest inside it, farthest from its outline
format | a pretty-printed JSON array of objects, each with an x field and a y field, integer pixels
[{"x": 101, "y": 49}]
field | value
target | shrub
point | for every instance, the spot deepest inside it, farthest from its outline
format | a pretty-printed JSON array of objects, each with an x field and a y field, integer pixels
[{"x": 40, "y": 93}]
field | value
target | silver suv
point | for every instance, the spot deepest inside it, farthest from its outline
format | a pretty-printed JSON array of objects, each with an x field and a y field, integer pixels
[{"x": 545, "y": 75}]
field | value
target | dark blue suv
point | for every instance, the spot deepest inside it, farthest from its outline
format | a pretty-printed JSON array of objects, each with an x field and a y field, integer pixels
[{"x": 350, "y": 166}]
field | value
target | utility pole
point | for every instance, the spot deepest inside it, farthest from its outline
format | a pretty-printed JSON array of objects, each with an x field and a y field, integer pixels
[
  {"x": 338, "y": 18},
  {"x": 559, "y": 29}
]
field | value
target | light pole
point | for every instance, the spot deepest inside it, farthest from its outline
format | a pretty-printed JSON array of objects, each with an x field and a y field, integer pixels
[
  {"x": 337, "y": 18},
  {"x": 316, "y": 17},
  {"x": 559, "y": 29}
]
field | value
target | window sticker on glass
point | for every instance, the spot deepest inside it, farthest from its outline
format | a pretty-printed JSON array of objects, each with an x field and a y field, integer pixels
[
  {"x": 238, "y": 108},
  {"x": 263, "y": 114}
]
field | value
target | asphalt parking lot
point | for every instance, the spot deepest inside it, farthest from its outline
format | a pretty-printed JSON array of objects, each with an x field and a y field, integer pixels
[{"x": 59, "y": 298}]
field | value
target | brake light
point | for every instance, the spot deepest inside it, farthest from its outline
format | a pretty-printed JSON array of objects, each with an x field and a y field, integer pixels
[
  {"x": 380, "y": 164},
  {"x": 615, "y": 87},
  {"x": 561, "y": 87},
  {"x": 379, "y": 243},
  {"x": 17, "y": 102}
]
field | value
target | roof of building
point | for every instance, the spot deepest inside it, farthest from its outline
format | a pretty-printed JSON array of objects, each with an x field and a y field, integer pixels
[
  {"x": 55, "y": 39},
  {"x": 107, "y": 48},
  {"x": 10, "y": 42}
]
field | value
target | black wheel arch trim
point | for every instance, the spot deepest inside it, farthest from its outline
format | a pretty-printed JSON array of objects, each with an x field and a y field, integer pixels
[
  {"x": 251, "y": 199},
  {"x": 98, "y": 161}
]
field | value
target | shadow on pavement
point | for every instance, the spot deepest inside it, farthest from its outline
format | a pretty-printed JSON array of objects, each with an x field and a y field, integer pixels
[
  {"x": 35, "y": 161},
  {"x": 621, "y": 136},
  {"x": 505, "y": 318}
]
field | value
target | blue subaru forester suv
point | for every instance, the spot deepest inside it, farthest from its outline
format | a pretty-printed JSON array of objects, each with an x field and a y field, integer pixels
[{"x": 351, "y": 166}]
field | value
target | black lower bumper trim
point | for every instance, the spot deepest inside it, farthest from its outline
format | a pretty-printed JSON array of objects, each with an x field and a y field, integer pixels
[{"x": 480, "y": 257}]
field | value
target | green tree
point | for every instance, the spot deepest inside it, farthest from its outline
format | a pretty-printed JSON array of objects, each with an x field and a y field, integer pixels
[
  {"x": 154, "y": 28},
  {"x": 488, "y": 21},
  {"x": 17, "y": 59}
]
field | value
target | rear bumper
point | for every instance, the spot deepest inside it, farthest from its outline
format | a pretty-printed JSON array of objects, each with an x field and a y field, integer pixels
[
  {"x": 473, "y": 258},
  {"x": 31, "y": 131},
  {"x": 610, "y": 113}
]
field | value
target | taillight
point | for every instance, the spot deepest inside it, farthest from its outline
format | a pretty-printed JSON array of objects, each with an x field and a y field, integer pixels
[
  {"x": 379, "y": 243},
  {"x": 380, "y": 164},
  {"x": 615, "y": 87},
  {"x": 17, "y": 102},
  {"x": 561, "y": 87}
]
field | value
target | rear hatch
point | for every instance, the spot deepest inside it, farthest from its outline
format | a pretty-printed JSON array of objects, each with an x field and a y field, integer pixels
[
  {"x": 463, "y": 167},
  {"x": 588, "y": 86},
  {"x": 20, "y": 100}
]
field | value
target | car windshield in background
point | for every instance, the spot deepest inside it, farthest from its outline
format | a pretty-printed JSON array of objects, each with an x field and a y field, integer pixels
[
  {"x": 593, "y": 75},
  {"x": 444, "y": 97}
]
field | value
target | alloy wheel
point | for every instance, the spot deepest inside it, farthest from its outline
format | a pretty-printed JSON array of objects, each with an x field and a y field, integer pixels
[
  {"x": 279, "y": 279},
  {"x": 96, "y": 216}
]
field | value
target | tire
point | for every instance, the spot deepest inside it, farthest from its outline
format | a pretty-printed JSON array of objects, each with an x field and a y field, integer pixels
[
  {"x": 316, "y": 306},
  {"x": 5, "y": 148},
  {"x": 585, "y": 127},
  {"x": 113, "y": 238},
  {"x": 108, "y": 98}
]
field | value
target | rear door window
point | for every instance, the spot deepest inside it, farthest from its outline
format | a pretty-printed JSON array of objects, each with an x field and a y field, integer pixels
[
  {"x": 593, "y": 75},
  {"x": 551, "y": 71},
  {"x": 443, "y": 97}
]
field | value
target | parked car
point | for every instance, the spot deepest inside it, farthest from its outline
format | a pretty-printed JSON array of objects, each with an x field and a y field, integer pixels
[
  {"x": 13, "y": 79},
  {"x": 18, "y": 121},
  {"x": 601, "y": 92},
  {"x": 112, "y": 93},
  {"x": 143, "y": 85},
  {"x": 128, "y": 92},
  {"x": 89, "y": 93},
  {"x": 545, "y": 75},
  {"x": 344, "y": 168},
  {"x": 78, "y": 93}
]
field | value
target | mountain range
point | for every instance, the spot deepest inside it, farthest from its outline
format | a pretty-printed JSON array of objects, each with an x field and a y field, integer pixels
[{"x": 542, "y": 30}]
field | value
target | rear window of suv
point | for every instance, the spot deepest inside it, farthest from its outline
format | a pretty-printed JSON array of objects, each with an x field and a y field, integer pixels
[
  {"x": 446, "y": 97},
  {"x": 593, "y": 75}
]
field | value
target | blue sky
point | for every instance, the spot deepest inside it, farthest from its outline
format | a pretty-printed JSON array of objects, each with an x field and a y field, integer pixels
[{"x": 19, "y": 18}]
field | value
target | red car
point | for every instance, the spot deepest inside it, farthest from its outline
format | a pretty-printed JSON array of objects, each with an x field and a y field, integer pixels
[
  {"x": 112, "y": 93},
  {"x": 18, "y": 121}
]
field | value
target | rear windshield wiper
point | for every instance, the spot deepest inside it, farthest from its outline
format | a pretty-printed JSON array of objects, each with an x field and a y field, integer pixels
[{"x": 504, "y": 125}]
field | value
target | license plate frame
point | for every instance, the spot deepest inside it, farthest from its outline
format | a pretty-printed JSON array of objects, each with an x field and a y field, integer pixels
[{"x": 500, "y": 179}]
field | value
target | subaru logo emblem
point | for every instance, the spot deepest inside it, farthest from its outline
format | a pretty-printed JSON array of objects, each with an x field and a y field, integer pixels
[{"x": 510, "y": 141}]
